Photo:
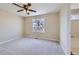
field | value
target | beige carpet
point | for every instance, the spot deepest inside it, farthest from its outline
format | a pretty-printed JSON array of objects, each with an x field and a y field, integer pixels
[{"x": 28, "y": 46}]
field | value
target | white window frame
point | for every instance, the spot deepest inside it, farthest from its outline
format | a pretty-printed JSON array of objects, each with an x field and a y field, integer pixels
[{"x": 40, "y": 28}]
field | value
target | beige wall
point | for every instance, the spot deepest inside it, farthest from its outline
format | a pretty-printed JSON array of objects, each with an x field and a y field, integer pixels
[
  {"x": 65, "y": 40},
  {"x": 10, "y": 26},
  {"x": 51, "y": 27},
  {"x": 75, "y": 28}
]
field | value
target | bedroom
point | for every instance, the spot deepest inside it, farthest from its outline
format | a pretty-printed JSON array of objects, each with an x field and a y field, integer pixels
[{"x": 22, "y": 34}]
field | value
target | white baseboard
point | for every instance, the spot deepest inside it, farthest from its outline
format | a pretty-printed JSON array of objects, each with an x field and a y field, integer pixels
[
  {"x": 44, "y": 39},
  {"x": 3, "y": 42},
  {"x": 63, "y": 49}
]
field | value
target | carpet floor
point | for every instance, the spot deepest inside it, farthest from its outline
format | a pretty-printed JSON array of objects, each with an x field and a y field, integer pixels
[{"x": 29, "y": 46}]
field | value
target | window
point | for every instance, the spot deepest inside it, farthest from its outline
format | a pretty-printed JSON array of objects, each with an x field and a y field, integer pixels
[
  {"x": 74, "y": 17},
  {"x": 38, "y": 25}
]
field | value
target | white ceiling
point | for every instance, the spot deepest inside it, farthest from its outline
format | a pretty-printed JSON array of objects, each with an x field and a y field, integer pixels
[{"x": 41, "y": 8}]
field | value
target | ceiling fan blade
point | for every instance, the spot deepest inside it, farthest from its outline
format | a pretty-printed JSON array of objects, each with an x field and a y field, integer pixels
[
  {"x": 17, "y": 5},
  {"x": 31, "y": 10},
  {"x": 20, "y": 10}
]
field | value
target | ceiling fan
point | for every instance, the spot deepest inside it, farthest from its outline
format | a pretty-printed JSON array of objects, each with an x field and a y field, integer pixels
[{"x": 25, "y": 8}]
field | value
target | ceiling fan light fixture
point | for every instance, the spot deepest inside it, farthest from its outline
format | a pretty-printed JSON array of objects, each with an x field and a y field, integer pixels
[
  {"x": 28, "y": 13},
  {"x": 29, "y": 4},
  {"x": 25, "y": 8}
]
